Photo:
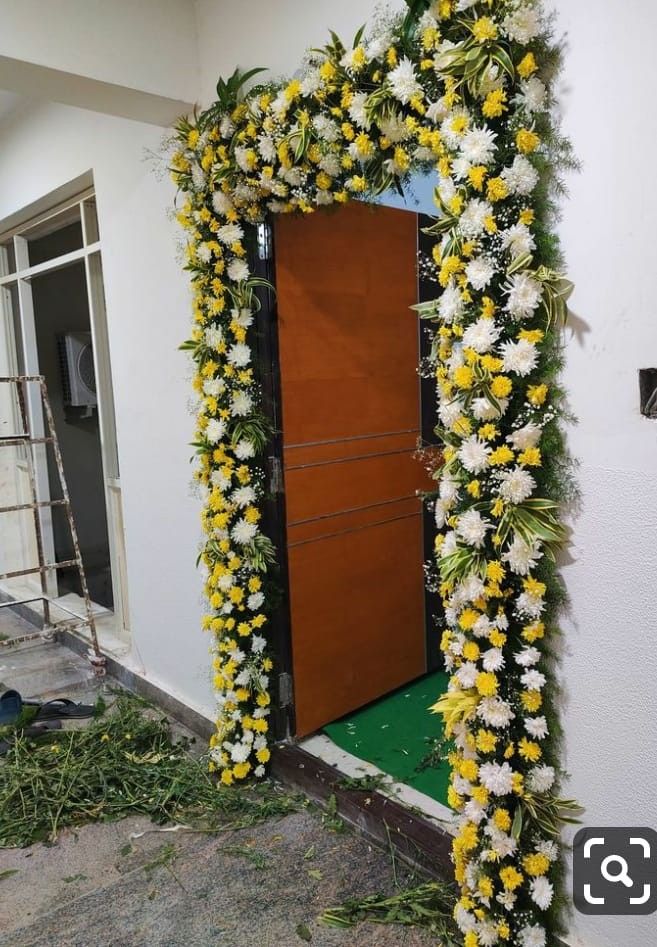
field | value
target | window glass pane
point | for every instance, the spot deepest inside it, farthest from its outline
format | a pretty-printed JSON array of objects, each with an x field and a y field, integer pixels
[
  {"x": 54, "y": 244},
  {"x": 7, "y": 258}
]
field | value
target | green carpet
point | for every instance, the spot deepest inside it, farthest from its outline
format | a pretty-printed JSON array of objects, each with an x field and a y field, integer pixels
[{"x": 396, "y": 733}]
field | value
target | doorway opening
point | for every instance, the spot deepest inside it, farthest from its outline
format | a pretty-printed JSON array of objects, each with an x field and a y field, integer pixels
[
  {"x": 364, "y": 661},
  {"x": 54, "y": 324}
]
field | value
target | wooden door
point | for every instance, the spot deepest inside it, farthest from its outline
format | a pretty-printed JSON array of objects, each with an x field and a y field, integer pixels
[{"x": 351, "y": 418}]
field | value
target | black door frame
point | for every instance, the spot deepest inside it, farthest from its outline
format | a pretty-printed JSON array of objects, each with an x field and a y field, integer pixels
[{"x": 262, "y": 263}]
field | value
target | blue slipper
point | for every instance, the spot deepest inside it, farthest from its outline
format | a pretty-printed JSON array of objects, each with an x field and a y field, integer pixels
[{"x": 11, "y": 704}]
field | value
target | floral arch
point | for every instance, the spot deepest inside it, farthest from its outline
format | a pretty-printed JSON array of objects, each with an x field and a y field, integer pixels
[{"x": 460, "y": 89}]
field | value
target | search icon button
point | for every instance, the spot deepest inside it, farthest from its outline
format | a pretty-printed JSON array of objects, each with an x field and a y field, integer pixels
[{"x": 623, "y": 876}]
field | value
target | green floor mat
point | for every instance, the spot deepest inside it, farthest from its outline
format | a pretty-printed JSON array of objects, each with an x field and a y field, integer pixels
[{"x": 396, "y": 733}]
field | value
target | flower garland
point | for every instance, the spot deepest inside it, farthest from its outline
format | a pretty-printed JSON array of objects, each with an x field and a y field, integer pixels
[{"x": 460, "y": 88}]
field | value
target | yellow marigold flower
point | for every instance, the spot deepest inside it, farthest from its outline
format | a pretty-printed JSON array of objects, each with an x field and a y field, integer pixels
[
  {"x": 536, "y": 394},
  {"x": 486, "y": 683},
  {"x": 241, "y": 770},
  {"x": 495, "y": 571},
  {"x": 327, "y": 71},
  {"x": 488, "y": 432},
  {"x": 445, "y": 8},
  {"x": 527, "y": 140},
  {"x": 292, "y": 90},
  {"x": 534, "y": 587},
  {"x": 486, "y": 741},
  {"x": 501, "y": 455},
  {"x": 243, "y": 629},
  {"x": 263, "y": 700},
  {"x": 364, "y": 145},
  {"x": 463, "y": 376},
  {"x": 242, "y": 693},
  {"x": 468, "y": 769},
  {"x": 323, "y": 181},
  {"x": 471, "y": 651},
  {"x": 536, "y": 864},
  {"x": 490, "y": 223},
  {"x": 455, "y": 204},
  {"x": 357, "y": 183},
  {"x": 494, "y": 103},
  {"x": 471, "y": 939},
  {"x": 504, "y": 930},
  {"x": 529, "y": 750},
  {"x": 455, "y": 801},
  {"x": 462, "y": 426},
  {"x": 476, "y": 176},
  {"x": 227, "y": 777},
  {"x": 468, "y": 837},
  {"x": 531, "y": 701},
  {"x": 467, "y": 618},
  {"x": 531, "y": 335},
  {"x": 497, "y": 190},
  {"x": 527, "y": 66},
  {"x": 530, "y": 457},
  {"x": 474, "y": 489},
  {"x": 497, "y": 638},
  {"x": 348, "y": 131},
  {"x": 533, "y": 632},
  {"x": 488, "y": 307},
  {"x": 485, "y": 886},
  {"x": 263, "y": 755},
  {"x": 484, "y": 29},
  {"x": 502, "y": 819},
  {"x": 511, "y": 878},
  {"x": 526, "y": 216}
]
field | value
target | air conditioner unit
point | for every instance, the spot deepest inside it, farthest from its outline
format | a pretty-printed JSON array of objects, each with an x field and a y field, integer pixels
[{"x": 76, "y": 361}]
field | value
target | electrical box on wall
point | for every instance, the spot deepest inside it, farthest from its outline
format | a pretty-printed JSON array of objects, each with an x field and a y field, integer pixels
[
  {"x": 648, "y": 391},
  {"x": 76, "y": 363}
]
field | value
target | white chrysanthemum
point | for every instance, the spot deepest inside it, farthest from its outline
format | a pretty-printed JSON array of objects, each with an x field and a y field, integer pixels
[
  {"x": 326, "y": 128},
  {"x": 524, "y": 294},
  {"x": 357, "y": 112},
  {"x": 230, "y": 233},
  {"x": 243, "y": 496},
  {"x": 258, "y": 644},
  {"x": 549, "y": 849},
  {"x": 213, "y": 387},
  {"x": 215, "y": 430},
  {"x": 501, "y": 621},
  {"x": 280, "y": 104},
  {"x": 488, "y": 933},
  {"x": 394, "y": 128},
  {"x": 467, "y": 674},
  {"x": 540, "y": 779},
  {"x": 522, "y": 177},
  {"x": 542, "y": 892},
  {"x": 507, "y": 899},
  {"x": 465, "y": 920},
  {"x": 221, "y": 203},
  {"x": 214, "y": 336},
  {"x": 243, "y": 158},
  {"x": 536, "y": 727},
  {"x": 240, "y": 752},
  {"x": 482, "y": 627},
  {"x": 525, "y": 437},
  {"x": 226, "y": 582},
  {"x": 448, "y": 488},
  {"x": 481, "y": 336},
  {"x": 204, "y": 253},
  {"x": 449, "y": 544},
  {"x": 516, "y": 485},
  {"x": 243, "y": 317},
  {"x": 478, "y": 145},
  {"x": 242, "y": 404},
  {"x": 449, "y": 411},
  {"x": 238, "y": 271},
  {"x": 219, "y": 479},
  {"x": 484, "y": 410},
  {"x": 474, "y": 812},
  {"x": 528, "y": 657},
  {"x": 479, "y": 272},
  {"x": 470, "y": 589},
  {"x": 465, "y": 5},
  {"x": 378, "y": 45},
  {"x": 495, "y": 712},
  {"x": 226, "y": 127},
  {"x": 519, "y": 357},
  {"x": 244, "y": 450},
  {"x": 330, "y": 163},
  {"x": 534, "y": 95},
  {"x": 497, "y": 778},
  {"x": 437, "y": 111},
  {"x": 474, "y": 454},
  {"x": 450, "y": 305},
  {"x": 472, "y": 528},
  {"x": 243, "y": 532},
  {"x": 311, "y": 82},
  {"x": 518, "y": 240},
  {"x": 255, "y": 601},
  {"x": 454, "y": 126},
  {"x": 198, "y": 177},
  {"x": 403, "y": 82},
  {"x": 440, "y": 512},
  {"x": 522, "y": 25},
  {"x": 529, "y": 605},
  {"x": 533, "y": 680},
  {"x": 267, "y": 148},
  {"x": 239, "y": 355},
  {"x": 533, "y": 936},
  {"x": 472, "y": 220},
  {"x": 493, "y": 659}
]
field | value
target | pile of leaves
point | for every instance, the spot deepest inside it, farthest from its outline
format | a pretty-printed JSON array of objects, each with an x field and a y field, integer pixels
[{"x": 123, "y": 763}]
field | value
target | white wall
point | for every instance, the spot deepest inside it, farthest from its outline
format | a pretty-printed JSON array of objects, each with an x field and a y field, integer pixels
[
  {"x": 143, "y": 44},
  {"x": 148, "y": 316},
  {"x": 610, "y": 664}
]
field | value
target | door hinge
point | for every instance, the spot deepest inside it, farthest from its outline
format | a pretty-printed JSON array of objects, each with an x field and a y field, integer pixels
[
  {"x": 285, "y": 692},
  {"x": 264, "y": 241},
  {"x": 275, "y": 475}
]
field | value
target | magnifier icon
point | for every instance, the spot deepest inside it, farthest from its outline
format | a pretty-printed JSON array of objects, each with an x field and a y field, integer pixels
[{"x": 622, "y": 876}]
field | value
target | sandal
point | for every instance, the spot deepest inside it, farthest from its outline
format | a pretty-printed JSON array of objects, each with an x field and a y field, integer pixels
[
  {"x": 11, "y": 704},
  {"x": 61, "y": 708},
  {"x": 32, "y": 731}
]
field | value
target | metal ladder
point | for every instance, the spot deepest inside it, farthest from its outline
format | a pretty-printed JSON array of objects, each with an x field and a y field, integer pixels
[{"x": 25, "y": 439}]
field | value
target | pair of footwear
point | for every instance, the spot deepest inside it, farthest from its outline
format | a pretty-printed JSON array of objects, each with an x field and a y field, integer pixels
[{"x": 48, "y": 715}]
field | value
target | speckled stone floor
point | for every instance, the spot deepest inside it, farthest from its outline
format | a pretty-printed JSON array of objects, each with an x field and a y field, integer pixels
[{"x": 103, "y": 887}]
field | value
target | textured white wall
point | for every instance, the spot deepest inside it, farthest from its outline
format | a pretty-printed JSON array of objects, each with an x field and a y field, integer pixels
[
  {"x": 610, "y": 660},
  {"x": 147, "y": 299},
  {"x": 142, "y": 44}
]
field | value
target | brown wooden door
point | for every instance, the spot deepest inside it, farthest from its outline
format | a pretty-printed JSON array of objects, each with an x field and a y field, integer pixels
[{"x": 351, "y": 417}]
